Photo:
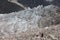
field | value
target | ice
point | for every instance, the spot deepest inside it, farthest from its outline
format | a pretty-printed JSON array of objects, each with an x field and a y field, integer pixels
[{"x": 27, "y": 19}]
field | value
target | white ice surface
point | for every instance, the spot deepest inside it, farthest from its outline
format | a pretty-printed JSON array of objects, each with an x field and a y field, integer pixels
[{"x": 22, "y": 20}]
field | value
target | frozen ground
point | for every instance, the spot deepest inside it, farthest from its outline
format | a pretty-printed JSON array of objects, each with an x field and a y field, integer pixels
[{"x": 39, "y": 17}]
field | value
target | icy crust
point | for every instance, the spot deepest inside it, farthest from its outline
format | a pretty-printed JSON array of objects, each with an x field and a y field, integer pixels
[{"x": 27, "y": 19}]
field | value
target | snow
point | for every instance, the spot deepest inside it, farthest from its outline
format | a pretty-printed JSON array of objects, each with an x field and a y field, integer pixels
[{"x": 23, "y": 20}]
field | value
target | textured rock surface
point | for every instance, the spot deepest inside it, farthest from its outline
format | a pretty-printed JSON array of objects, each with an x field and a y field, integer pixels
[{"x": 14, "y": 23}]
